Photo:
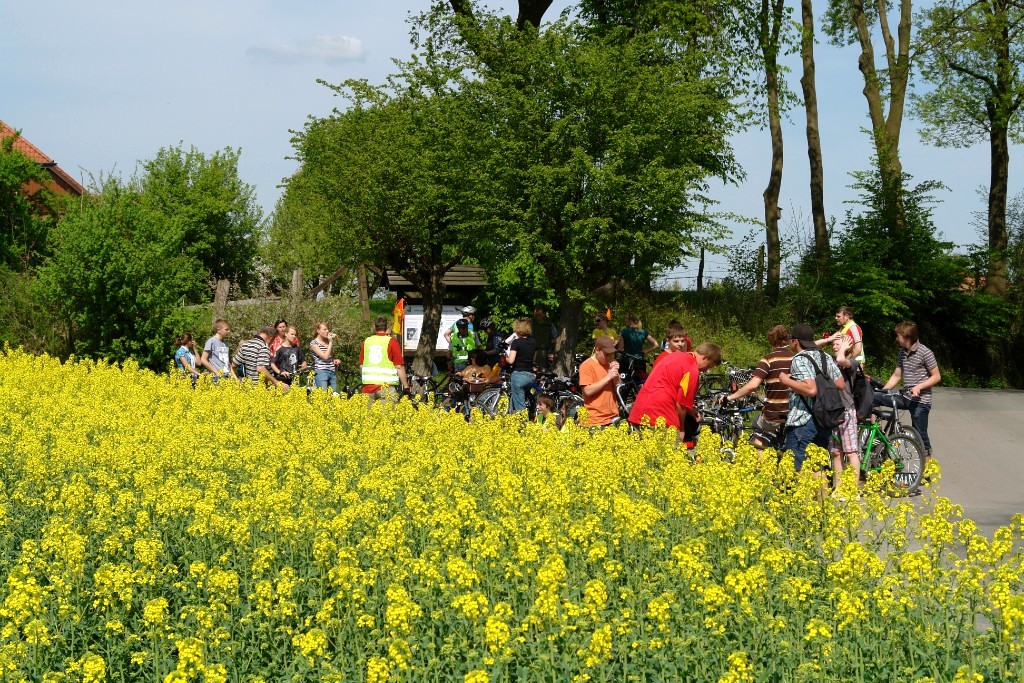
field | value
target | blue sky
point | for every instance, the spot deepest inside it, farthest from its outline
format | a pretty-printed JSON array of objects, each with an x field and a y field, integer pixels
[{"x": 99, "y": 86}]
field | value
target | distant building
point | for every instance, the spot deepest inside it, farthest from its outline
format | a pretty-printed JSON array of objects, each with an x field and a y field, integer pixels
[{"x": 61, "y": 182}]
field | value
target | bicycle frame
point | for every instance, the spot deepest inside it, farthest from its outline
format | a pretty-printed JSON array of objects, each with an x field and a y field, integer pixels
[{"x": 876, "y": 446}]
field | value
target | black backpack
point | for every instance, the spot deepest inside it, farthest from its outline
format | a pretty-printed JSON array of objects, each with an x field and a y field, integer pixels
[
  {"x": 827, "y": 410},
  {"x": 863, "y": 394}
]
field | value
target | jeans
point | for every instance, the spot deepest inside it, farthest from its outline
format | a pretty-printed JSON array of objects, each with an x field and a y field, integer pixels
[
  {"x": 798, "y": 438},
  {"x": 520, "y": 382},
  {"x": 918, "y": 414},
  {"x": 325, "y": 379}
]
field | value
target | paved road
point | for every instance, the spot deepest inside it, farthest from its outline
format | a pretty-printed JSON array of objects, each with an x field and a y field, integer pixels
[{"x": 978, "y": 438}]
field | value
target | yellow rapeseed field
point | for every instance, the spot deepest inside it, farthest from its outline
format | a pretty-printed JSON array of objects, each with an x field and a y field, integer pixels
[{"x": 152, "y": 532}]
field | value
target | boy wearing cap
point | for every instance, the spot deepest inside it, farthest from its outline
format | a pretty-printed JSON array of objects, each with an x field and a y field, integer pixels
[
  {"x": 598, "y": 377},
  {"x": 801, "y": 429}
]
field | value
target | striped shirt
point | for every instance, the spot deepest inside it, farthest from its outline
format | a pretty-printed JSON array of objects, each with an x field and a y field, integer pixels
[
  {"x": 251, "y": 355},
  {"x": 319, "y": 363},
  {"x": 916, "y": 365},
  {"x": 776, "y": 405}
]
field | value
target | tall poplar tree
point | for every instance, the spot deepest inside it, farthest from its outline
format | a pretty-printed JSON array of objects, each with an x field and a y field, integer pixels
[{"x": 885, "y": 90}]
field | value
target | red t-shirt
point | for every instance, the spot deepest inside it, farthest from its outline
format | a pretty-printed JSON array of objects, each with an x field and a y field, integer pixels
[
  {"x": 394, "y": 355},
  {"x": 673, "y": 381}
]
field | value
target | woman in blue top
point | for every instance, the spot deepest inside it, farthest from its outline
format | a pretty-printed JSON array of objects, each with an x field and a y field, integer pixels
[
  {"x": 185, "y": 356},
  {"x": 631, "y": 343}
]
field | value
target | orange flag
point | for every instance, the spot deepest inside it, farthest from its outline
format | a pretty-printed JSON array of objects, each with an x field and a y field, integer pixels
[
  {"x": 608, "y": 314},
  {"x": 399, "y": 315}
]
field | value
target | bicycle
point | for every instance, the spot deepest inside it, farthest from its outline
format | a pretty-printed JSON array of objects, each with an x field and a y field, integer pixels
[
  {"x": 729, "y": 420},
  {"x": 887, "y": 438}
]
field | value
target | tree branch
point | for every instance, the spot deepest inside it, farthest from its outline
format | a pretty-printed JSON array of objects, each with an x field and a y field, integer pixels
[
  {"x": 530, "y": 12},
  {"x": 960, "y": 69}
]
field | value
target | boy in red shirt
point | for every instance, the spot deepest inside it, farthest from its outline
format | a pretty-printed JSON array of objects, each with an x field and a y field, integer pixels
[{"x": 672, "y": 386}]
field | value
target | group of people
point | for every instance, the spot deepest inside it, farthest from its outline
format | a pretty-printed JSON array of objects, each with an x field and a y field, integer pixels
[
  {"x": 788, "y": 373},
  {"x": 528, "y": 350},
  {"x": 272, "y": 355},
  {"x": 668, "y": 393}
]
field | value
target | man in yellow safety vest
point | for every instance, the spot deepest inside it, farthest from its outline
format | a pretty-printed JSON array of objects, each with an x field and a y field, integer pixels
[{"x": 383, "y": 366}]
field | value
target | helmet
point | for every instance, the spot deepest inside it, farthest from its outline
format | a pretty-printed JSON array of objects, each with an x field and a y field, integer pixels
[
  {"x": 462, "y": 324},
  {"x": 486, "y": 322},
  {"x": 468, "y": 310}
]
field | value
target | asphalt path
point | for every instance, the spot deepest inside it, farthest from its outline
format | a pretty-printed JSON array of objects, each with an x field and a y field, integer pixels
[{"x": 978, "y": 438}]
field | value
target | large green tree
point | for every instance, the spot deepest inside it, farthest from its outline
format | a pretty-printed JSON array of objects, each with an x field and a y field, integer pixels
[
  {"x": 972, "y": 56},
  {"x": 128, "y": 256},
  {"x": 405, "y": 178},
  {"x": 610, "y": 145},
  {"x": 216, "y": 211}
]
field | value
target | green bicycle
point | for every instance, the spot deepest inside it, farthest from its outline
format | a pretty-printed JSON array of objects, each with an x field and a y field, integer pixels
[{"x": 887, "y": 438}]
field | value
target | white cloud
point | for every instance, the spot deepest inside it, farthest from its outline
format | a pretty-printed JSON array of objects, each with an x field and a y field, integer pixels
[{"x": 327, "y": 49}]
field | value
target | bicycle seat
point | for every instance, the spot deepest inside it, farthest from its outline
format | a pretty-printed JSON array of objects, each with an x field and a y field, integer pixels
[{"x": 882, "y": 411}]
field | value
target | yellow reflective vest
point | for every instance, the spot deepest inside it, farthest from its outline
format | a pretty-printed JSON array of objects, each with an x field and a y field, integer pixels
[{"x": 377, "y": 367}]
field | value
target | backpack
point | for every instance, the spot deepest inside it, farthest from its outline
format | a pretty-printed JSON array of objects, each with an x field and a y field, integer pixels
[
  {"x": 827, "y": 410},
  {"x": 863, "y": 394}
]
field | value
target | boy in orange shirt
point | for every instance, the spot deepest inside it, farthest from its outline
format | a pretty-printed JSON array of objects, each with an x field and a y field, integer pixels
[{"x": 598, "y": 377}]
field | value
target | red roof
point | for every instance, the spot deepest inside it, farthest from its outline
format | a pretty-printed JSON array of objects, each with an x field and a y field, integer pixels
[{"x": 63, "y": 181}]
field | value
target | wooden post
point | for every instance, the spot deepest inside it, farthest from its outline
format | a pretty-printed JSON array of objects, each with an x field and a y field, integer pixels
[
  {"x": 700, "y": 272},
  {"x": 220, "y": 298},
  {"x": 760, "y": 269},
  {"x": 296, "y": 290},
  {"x": 364, "y": 295}
]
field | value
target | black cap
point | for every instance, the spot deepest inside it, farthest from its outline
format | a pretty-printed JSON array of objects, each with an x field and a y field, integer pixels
[{"x": 803, "y": 334}]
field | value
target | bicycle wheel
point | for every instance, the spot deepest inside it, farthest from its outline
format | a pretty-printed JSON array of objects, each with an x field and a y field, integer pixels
[
  {"x": 487, "y": 401},
  {"x": 568, "y": 404},
  {"x": 907, "y": 454},
  {"x": 711, "y": 384}
]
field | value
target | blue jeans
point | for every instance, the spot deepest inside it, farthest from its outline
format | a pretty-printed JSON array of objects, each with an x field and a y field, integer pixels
[
  {"x": 326, "y": 379},
  {"x": 918, "y": 414},
  {"x": 799, "y": 438},
  {"x": 520, "y": 382}
]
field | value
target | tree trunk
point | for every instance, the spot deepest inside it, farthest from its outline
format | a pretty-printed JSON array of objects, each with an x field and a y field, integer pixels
[
  {"x": 570, "y": 312},
  {"x": 996, "y": 278},
  {"x": 760, "y": 269},
  {"x": 774, "y": 187},
  {"x": 364, "y": 294},
  {"x": 886, "y": 125},
  {"x": 700, "y": 272},
  {"x": 807, "y": 82},
  {"x": 220, "y": 299},
  {"x": 531, "y": 12},
  {"x": 771, "y": 20},
  {"x": 432, "y": 289}
]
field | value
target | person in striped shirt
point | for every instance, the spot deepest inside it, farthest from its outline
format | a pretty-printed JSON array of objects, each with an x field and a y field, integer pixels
[
  {"x": 772, "y": 419},
  {"x": 325, "y": 365},
  {"x": 919, "y": 371},
  {"x": 253, "y": 358}
]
